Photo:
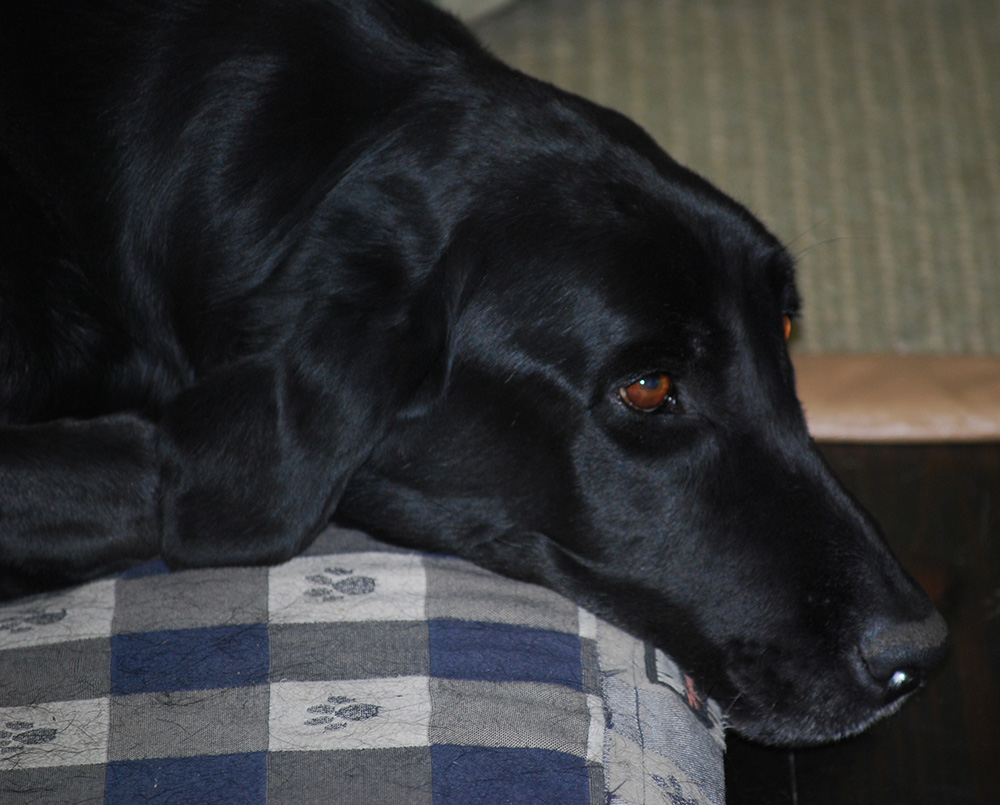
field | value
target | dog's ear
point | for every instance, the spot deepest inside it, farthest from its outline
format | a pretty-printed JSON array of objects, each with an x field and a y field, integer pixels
[{"x": 255, "y": 457}]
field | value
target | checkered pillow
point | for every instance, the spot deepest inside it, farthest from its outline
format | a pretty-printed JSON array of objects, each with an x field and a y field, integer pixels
[{"x": 355, "y": 673}]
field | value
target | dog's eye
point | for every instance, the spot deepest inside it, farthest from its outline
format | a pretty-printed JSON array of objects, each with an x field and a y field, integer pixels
[
  {"x": 647, "y": 393},
  {"x": 786, "y": 324}
]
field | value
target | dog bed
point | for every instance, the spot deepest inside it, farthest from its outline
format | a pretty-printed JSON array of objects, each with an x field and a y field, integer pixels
[{"x": 354, "y": 673}]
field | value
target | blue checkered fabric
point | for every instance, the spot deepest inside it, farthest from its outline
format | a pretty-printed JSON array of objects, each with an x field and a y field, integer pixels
[{"x": 355, "y": 673}]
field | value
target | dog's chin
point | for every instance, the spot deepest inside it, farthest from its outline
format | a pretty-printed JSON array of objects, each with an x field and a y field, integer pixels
[{"x": 805, "y": 728}]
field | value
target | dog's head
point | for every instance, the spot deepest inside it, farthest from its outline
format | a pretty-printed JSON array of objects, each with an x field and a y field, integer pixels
[{"x": 615, "y": 417}]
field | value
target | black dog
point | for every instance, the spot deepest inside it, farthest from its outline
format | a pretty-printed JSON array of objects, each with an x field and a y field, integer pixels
[{"x": 271, "y": 262}]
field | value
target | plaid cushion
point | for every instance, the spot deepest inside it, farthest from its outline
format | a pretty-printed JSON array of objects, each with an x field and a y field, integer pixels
[{"x": 354, "y": 673}]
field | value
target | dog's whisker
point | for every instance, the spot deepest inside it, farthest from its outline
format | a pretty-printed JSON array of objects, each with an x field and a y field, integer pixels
[
  {"x": 807, "y": 231},
  {"x": 836, "y": 239}
]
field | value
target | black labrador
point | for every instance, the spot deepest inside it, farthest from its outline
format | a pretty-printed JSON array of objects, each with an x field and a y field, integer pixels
[{"x": 264, "y": 263}]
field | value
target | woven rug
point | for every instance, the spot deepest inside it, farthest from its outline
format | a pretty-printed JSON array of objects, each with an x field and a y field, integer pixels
[{"x": 866, "y": 135}]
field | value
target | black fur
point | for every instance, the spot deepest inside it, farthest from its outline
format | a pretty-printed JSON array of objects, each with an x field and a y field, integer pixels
[{"x": 271, "y": 262}]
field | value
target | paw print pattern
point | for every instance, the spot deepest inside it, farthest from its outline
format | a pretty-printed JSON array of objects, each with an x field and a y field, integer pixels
[
  {"x": 335, "y": 583},
  {"x": 27, "y": 619},
  {"x": 16, "y": 735},
  {"x": 339, "y": 711}
]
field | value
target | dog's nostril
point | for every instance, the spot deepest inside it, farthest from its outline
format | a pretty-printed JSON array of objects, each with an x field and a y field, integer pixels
[{"x": 900, "y": 656}]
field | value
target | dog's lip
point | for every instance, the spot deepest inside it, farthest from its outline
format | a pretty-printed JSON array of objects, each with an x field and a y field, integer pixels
[
  {"x": 857, "y": 728},
  {"x": 812, "y": 730},
  {"x": 878, "y": 715}
]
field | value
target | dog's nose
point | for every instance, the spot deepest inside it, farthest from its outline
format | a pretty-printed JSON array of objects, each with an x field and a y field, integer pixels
[{"x": 900, "y": 656}]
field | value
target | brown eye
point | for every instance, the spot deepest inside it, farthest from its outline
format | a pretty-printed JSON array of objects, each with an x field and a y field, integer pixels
[
  {"x": 786, "y": 323},
  {"x": 647, "y": 393}
]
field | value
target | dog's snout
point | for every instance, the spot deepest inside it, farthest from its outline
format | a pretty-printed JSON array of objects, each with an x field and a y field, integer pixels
[{"x": 900, "y": 656}]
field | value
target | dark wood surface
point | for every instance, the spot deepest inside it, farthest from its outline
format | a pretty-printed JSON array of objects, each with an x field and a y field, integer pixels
[{"x": 940, "y": 508}]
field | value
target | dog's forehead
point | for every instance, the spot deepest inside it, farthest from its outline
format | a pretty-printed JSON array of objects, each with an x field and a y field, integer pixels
[
  {"x": 672, "y": 260},
  {"x": 646, "y": 281},
  {"x": 706, "y": 261},
  {"x": 608, "y": 242}
]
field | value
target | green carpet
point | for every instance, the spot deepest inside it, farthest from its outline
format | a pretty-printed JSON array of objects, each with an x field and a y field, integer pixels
[{"x": 865, "y": 134}]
